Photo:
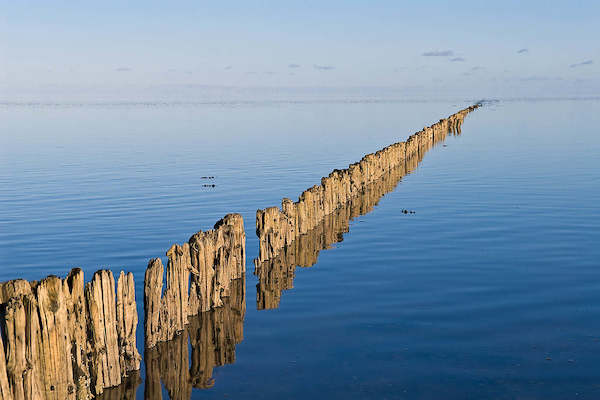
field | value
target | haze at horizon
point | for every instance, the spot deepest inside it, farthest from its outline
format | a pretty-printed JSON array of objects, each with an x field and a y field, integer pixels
[{"x": 513, "y": 49}]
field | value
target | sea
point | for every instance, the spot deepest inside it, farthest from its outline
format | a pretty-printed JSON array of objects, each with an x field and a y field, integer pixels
[{"x": 475, "y": 275}]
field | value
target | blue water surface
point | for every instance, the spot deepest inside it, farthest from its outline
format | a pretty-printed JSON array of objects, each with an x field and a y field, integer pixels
[{"x": 491, "y": 289}]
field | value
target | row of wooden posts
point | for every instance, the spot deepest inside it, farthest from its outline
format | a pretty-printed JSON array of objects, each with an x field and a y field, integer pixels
[{"x": 67, "y": 339}]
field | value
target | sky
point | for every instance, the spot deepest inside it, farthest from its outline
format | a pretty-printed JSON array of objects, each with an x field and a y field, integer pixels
[{"x": 486, "y": 49}]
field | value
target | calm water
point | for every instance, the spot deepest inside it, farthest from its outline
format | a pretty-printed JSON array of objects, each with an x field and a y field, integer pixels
[{"x": 491, "y": 289}]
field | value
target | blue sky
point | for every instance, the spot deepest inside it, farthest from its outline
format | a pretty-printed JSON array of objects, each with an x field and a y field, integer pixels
[{"x": 483, "y": 48}]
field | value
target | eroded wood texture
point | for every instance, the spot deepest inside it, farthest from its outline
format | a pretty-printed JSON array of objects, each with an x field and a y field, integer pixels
[
  {"x": 127, "y": 321},
  {"x": 198, "y": 278},
  {"x": 60, "y": 338},
  {"x": 105, "y": 367}
]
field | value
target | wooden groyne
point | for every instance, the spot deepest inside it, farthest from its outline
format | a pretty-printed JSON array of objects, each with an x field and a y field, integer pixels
[
  {"x": 277, "y": 274},
  {"x": 278, "y": 228},
  {"x": 67, "y": 339},
  {"x": 62, "y": 339},
  {"x": 199, "y": 276}
]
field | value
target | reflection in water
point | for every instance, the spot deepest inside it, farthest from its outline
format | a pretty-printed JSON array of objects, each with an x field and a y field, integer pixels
[
  {"x": 125, "y": 391},
  {"x": 212, "y": 336},
  {"x": 277, "y": 274}
]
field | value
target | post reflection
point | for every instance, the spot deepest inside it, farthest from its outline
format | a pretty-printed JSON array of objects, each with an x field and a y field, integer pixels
[
  {"x": 212, "y": 337},
  {"x": 125, "y": 391}
]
